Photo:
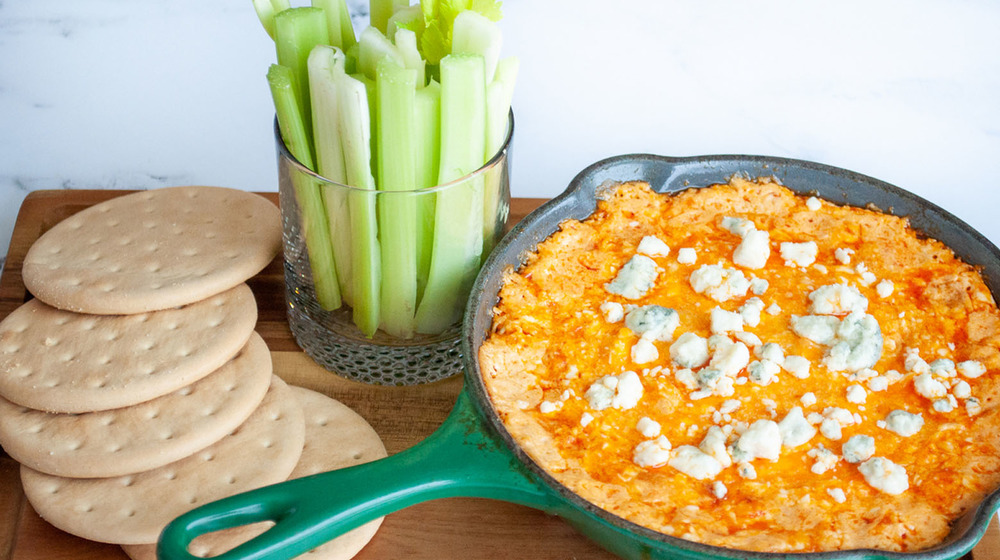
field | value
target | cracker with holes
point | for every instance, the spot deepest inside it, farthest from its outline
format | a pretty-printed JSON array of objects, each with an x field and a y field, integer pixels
[
  {"x": 336, "y": 438},
  {"x": 141, "y": 437},
  {"x": 153, "y": 250},
  {"x": 133, "y": 509},
  {"x": 60, "y": 361}
]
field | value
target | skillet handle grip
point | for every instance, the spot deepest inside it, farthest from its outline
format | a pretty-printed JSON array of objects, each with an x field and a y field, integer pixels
[{"x": 460, "y": 459}]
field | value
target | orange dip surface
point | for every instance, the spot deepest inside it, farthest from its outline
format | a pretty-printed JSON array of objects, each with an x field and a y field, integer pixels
[{"x": 744, "y": 447}]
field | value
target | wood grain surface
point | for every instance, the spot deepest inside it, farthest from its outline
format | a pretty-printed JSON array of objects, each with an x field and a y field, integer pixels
[{"x": 403, "y": 416}]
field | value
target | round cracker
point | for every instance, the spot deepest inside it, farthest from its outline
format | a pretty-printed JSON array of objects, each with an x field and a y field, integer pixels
[
  {"x": 59, "y": 361},
  {"x": 336, "y": 438},
  {"x": 134, "y": 509},
  {"x": 153, "y": 250},
  {"x": 141, "y": 437}
]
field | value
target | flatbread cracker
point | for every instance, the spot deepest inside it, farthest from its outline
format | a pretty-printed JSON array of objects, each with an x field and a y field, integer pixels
[
  {"x": 59, "y": 361},
  {"x": 153, "y": 250},
  {"x": 141, "y": 437},
  {"x": 336, "y": 437},
  {"x": 134, "y": 509}
]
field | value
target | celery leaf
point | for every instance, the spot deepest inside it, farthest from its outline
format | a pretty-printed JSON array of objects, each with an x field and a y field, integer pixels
[
  {"x": 434, "y": 43},
  {"x": 488, "y": 8},
  {"x": 439, "y": 21}
]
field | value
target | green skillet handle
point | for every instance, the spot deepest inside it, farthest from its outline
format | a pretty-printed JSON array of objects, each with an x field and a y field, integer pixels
[{"x": 461, "y": 458}]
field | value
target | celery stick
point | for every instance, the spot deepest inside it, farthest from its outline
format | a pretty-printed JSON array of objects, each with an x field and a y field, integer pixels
[
  {"x": 307, "y": 194},
  {"x": 297, "y": 31},
  {"x": 325, "y": 63},
  {"x": 355, "y": 134},
  {"x": 463, "y": 116},
  {"x": 281, "y": 80},
  {"x": 411, "y": 18},
  {"x": 372, "y": 125},
  {"x": 381, "y": 10},
  {"x": 406, "y": 44},
  {"x": 341, "y": 32},
  {"x": 372, "y": 47},
  {"x": 427, "y": 123},
  {"x": 499, "y": 95},
  {"x": 427, "y": 117},
  {"x": 476, "y": 34},
  {"x": 498, "y": 99},
  {"x": 351, "y": 67},
  {"x": 458, "y": 220},
  {"x": 266, "y": 10},
  {"x": 347, "y": 36},
  {"x": 396, "y": 88}
]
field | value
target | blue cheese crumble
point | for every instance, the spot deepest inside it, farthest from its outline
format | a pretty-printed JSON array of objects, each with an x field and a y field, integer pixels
[
  {"x": 761, "y": 440},
  {"x": 689, "y": 351},
  {"x": 653, "y": 322},
  {"x": 621, "y": 391},
  {"x": 858, "y": 448},
  {"x": 795, "y": 429},
  {"x": 634, "y": 279},
  {"x": 837, "y": 299},
  {"x": 653, "y": 246},
  {"x": 652, "y": 453},
  {"x": 904, "y": 423},
  {"x": 882, "y": 474},
  {"x": 754, "y": 250},
  {"x": 695, "y": 463},
  {"x": 799, "y": 254},
  {"x": 718, "y": 282},
  {"x": 687, "y": 255}
]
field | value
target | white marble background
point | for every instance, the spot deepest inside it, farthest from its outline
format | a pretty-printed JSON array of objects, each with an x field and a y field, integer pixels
[{"x": 143, "y": 94}]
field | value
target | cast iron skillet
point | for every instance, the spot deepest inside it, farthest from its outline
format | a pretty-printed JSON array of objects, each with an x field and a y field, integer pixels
[{"x": 472, "y": 454}]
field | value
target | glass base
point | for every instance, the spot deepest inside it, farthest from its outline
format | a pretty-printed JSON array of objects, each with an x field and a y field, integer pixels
[{"x": 332, "y": 340}]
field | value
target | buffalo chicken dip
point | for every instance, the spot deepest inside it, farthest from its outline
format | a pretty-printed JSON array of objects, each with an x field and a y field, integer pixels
[{"x": 746, "y": 367}]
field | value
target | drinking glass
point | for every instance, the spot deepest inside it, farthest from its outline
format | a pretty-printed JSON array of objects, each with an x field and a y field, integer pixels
[{"x": 412, "y": 254}]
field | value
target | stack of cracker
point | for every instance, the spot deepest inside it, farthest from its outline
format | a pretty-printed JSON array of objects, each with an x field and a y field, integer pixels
[{"x": 134, "y": 387}]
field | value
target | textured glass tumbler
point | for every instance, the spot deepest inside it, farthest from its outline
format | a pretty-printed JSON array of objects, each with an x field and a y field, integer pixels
[{"x": 402, "y": 260}]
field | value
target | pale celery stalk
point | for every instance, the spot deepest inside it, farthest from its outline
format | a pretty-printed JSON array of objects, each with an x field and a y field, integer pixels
[
  {"x": 411, "y": 18},
  {"x": 338, "y": 22},
  {"x": 373, "y": 46},
  {"x": 381, "y": 10},
  {"x": 310, "y": 201},
  {"x": 266, "y": 10},
  {"x": 499, "y": 94},
  {"x": 325, "y": 63},
  {"x": 427, "y": 118},
  {"x": 406, "y": 44},
  {"x": 355, "y": 134},
  {"x": 297, "y": 31},
  {"x": 372, "y": 125},
  {"x": 458, "y": 219},
  {"x": 474, "y": 33},
  {"x": 396, "y": 88}
]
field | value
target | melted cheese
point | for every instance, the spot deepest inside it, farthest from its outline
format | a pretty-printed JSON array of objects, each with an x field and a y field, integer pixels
[{"x": 716, "y": 470}]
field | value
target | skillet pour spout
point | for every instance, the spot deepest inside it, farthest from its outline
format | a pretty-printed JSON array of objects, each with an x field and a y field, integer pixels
[{"x": 473, "y": 455}]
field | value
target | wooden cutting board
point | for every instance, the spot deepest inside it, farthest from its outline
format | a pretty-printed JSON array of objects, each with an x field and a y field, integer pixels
[{"x": 441, "y": 529}]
